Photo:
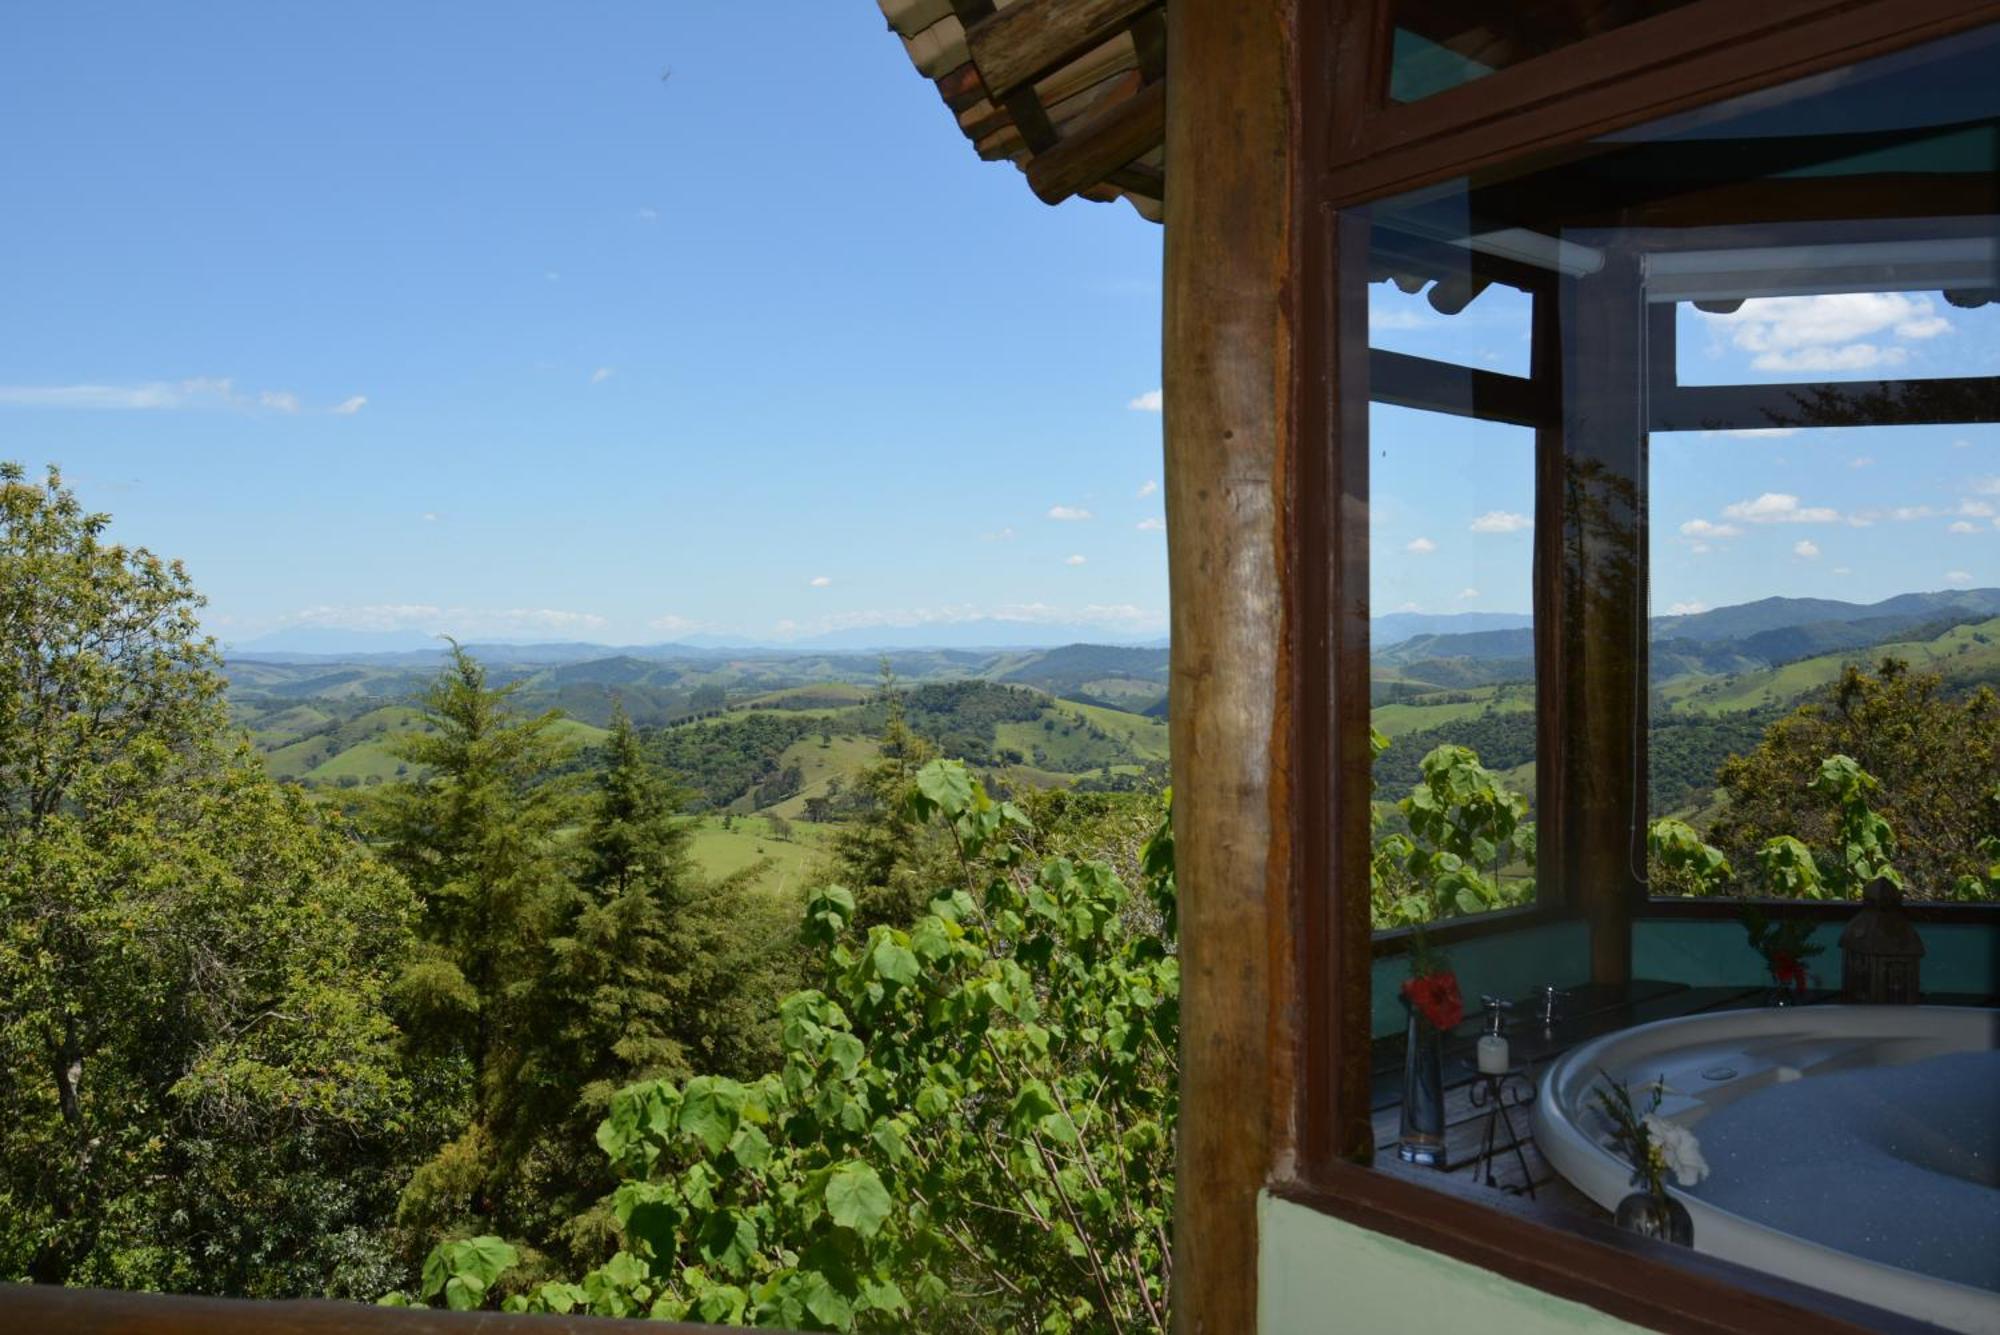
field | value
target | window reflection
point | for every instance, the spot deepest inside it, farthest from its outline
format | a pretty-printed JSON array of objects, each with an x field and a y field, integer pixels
[{"x": 1750, "y": 439}]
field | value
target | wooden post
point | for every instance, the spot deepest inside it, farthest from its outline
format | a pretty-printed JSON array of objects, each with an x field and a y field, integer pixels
[
  {"x": 1603, "y": 603},
  {"x": 1228, "y": 361}
]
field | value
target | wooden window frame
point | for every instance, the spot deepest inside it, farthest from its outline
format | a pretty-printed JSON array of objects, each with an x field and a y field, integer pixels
[{"x": 1349, "y": 147}]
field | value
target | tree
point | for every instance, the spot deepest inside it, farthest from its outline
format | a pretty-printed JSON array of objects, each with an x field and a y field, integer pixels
[
  {"x": 611, "y": 1005},
  {"x": 198, "y": 1077},
  {"x": 475, "y": 835},
  {"x": 1931, "y": 757},
  {"x": 891, "y": 855},
  {"x": 1465, "y": 829},
  {"x": 972, "y": 1128}
]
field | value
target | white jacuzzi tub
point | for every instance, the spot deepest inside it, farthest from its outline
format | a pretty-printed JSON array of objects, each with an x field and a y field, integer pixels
[{"x": 1852, "y": 1148}]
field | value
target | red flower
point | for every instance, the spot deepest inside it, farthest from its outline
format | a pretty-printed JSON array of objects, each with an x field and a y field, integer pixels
[
  {"x": 1435, "y": 997},
  {"x": 1787, "y": 970}
]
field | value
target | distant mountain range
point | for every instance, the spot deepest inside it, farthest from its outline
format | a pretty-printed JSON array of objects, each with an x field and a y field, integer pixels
[
  {"x": 1741, "y": 638},
  {"x": 1768, "y": 631},
  {"x": 301, "y": 642}
]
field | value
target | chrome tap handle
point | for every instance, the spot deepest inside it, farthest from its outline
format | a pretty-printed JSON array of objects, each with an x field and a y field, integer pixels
[{"x": 1549, "y": 998}]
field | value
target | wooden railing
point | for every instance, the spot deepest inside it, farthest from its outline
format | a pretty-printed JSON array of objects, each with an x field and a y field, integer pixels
[{"x": 31, "y": 1309}]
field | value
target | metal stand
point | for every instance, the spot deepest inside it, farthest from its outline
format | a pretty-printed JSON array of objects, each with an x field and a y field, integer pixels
[{"x": 1498, "y": 1093}]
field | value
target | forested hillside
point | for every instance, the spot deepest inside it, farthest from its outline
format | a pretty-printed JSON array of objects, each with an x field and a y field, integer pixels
[{"x": 828, "y": 1003}]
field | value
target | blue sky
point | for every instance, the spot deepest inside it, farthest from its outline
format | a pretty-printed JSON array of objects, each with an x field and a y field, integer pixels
[
  {"x": 619, "y": 322},
  {"x": 638, "y": 321}
]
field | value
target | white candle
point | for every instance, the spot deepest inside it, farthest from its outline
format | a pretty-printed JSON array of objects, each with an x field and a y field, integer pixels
[{"x": 1493, "y": 1054}]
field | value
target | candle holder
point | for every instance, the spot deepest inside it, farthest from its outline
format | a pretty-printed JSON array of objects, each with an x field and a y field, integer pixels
[{"x": 1497, "y": 1091}]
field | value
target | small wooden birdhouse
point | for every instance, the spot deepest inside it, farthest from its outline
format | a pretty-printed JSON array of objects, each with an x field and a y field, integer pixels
[{"x": 1881, "y": 955}]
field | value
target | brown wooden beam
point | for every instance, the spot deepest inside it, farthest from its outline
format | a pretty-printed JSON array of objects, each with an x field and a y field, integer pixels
[
  {"x": 1941, "y": 402},
  {"x": 1228, "y": 367},
  {"x": 1460, "y": 391},
  {"x": 1031, "y": 38},
  {"x": 1100, "y": 144},
  {"x": 49, "y": 1307}
]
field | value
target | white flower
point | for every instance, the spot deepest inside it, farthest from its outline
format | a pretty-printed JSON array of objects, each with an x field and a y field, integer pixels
[{"x": 1679, "y": 1148}]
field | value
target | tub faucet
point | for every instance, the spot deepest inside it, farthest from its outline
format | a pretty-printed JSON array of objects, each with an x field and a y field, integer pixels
[{"x": 1547, "y": 999}]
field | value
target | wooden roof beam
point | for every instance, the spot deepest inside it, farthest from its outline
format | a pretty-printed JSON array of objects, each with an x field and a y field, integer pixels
[
  {"x": 1032, "y": 38},
  {"x": 1101, "y": 144}
]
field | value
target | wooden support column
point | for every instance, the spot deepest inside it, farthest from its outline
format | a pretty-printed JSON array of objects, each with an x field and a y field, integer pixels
[
  {"x": 1603, "y": 604},
  {"x": 1229, "y": 377}
]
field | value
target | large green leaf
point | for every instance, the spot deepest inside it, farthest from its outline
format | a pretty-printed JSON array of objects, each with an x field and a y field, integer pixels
[
  {"x": 856, "y": 1198},
  {"x": 947, "y": 783},
  {"x": 895, "y": 963}
]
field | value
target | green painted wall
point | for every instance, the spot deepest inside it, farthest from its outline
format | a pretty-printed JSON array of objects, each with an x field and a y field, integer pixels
[
  {"x": 1709, "y": 953},
  {"x": 1957, "y": 958},
  {"x": 1325, "y": 1276}
]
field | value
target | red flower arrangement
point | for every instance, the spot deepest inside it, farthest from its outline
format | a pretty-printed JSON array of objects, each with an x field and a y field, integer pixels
[
  {"x": 1435, "y": 996},
  {"x": 1787, "y": 970}
]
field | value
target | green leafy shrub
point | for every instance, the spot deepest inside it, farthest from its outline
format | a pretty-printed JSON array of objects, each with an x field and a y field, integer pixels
[{"x": 972, "y": 1127}]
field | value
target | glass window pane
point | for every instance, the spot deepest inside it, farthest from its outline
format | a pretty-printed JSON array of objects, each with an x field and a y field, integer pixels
[
  {"x": 1740, "y": 484},
  {"x": 1441, "y": 45}
]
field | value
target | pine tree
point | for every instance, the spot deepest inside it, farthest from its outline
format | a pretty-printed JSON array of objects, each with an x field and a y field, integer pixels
[
  {"x": 892, "y": 860},
  {"x": 629, "y": 944},
  {"x": 476, "y": 836}
]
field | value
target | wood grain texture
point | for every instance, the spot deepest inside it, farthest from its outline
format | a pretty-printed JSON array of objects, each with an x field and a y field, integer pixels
[
  {"x": 1031, "y": 38},
  {"x": 1228, "y": 365},
  {"x": 1101, "y": 143}
]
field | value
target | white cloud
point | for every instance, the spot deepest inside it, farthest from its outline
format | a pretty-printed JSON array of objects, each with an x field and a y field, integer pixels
[
  {"x": 1069, "y": 513},
  {"x": 1467, "y": 594},
  {"x": 649, "y": 215},
  {"x": 1963, "y": 526},
  {"x": 1701, "y": 528},
  {"x": 1958, "y": 577},
  {"x": 278, "y": 400},
  {"x": 1152, "y": 525},
  {"x": 1072, "y": 560},
  {"x": 1777, "y": 507},
  {"x": 1149, "y": 402},
  {"x": 1861, "y": 461},
  {"x": 349, "y": 407},
  {"x": 1977, "y": 509},
  {"x": 430, "y": 516},
  {"x": 1985, "y": 486},
  {"x": 677, "y": 625},
  {"x": 1410, "y": 607},
  {"x": 820, "y": 582},
  {"x": 1147, "y": 488},
  {"x": 459, "y": 621},
  {"x": 197, "y": 392},
  {"x": 998, "y": 535},
  {"x": 1399, "y": 319},
  {"x": 1501, "y": 521},
  {"x": 1829, "y": 332},
  {"x": 602, "y": 374},
  {"x": 1420, "y": 546},
  {"x": 1687, "y": 609},
  {"x": 1806, "y": 548},
  {"x": 1843, "y": 570}
]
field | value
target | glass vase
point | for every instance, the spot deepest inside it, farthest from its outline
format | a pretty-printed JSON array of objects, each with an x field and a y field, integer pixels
[
  {"x": 1656, "y": 1216},
  {"x": 1420, "y": 1136}
]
